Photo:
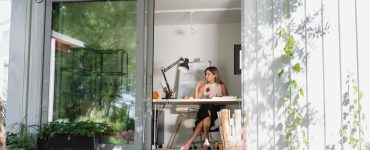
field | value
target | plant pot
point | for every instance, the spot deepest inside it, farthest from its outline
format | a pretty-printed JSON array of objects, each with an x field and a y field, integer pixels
[
  {"x": 42, "y": 144},
  {"x": 69, "y": 142}
]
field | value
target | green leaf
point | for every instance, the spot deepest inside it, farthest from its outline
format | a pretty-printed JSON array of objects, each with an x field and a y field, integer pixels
[
  {"x": 288, "y": 49},
  {"x": 301, "y": 92},
  {"x": 287, "y": 97},
  {"x": 288, "y": 135},
  {"x": 355, "y": 86},
  {"x": 297, "y": 121},
  {"x": 293, "y": 84},
  {"x": 367, "y": 146},
  {"x": 295, "y": 102},
  {"x": 303, "y": 133},
  {"x": 297, "y": 68},
  {"x": 281, "y": 72}
]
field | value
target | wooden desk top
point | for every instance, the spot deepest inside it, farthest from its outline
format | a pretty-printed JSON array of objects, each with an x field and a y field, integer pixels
[{"x": 197, "y": 101}]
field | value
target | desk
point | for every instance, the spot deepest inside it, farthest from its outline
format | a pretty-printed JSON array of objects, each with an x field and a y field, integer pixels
[{"x": 215, "y": 101}]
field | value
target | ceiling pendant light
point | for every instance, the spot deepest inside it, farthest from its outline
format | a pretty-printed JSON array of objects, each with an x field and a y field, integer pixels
[{"x": 192, "y": 30}]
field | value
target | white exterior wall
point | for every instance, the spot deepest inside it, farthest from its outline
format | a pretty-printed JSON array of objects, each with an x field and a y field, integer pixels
[
  {"x": 26, "y": 44},
  {"x": 343, "y": 49}
]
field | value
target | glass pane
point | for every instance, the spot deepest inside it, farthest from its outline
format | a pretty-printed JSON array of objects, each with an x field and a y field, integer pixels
[
  {"x": 94, "y": 71},
  {"x": 5, "y": 10}
]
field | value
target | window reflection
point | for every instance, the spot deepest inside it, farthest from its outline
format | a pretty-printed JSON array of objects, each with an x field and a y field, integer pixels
[{"x": 94, "y": 76}]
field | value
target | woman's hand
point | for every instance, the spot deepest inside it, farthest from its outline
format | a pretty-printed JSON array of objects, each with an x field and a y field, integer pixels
[
  {"x": 200, "y": 84},
  {"x": 199, "y": 89}
]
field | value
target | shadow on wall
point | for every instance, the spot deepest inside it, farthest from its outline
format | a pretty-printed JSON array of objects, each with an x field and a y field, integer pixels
[
  {"x": 352, "y": 130},
  {"x": 264, "y": 90}
]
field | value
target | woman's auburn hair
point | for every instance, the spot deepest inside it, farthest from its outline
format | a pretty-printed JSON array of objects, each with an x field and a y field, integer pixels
[{"x": 214, "y": 71}]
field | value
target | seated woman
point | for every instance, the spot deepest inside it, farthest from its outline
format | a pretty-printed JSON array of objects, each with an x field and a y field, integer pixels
[{"x": 207, "y": 114}]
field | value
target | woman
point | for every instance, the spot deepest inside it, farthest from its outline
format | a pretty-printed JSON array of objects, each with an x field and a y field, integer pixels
[{"x": 207, "y": 114}]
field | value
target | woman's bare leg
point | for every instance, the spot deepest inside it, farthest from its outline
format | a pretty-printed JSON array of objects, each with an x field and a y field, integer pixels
[
  {"x": 196, "y": 132},
  {"x": 206, "y": 125}
]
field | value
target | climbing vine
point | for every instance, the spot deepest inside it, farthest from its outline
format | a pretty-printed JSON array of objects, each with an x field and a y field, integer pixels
[
  {"x": 294, "y": 132},
  {"x": 293, "y": 58},
  {"x": 352, "y": 130}
]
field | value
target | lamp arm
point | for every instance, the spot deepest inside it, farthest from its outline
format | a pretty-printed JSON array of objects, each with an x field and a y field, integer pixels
[
  {"x": 168, "y": 92},
  {"x": 163, "y": 70},
  {"x": 173, "y": 64}
]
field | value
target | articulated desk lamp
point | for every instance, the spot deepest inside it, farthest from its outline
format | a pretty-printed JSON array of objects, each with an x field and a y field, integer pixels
[{"x": 183, "y": 66}]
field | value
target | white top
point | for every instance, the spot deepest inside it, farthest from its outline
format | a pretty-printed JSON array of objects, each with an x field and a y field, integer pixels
[{"x": 212, "y": 90}]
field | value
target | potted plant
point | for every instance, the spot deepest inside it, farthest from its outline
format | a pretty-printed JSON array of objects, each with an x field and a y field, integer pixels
[
  {"x": 64, "y": 135},
  {"x": 21, "y": 139}
]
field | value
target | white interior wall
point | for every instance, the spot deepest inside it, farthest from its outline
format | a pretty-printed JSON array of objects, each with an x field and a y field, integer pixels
[{"x": 211, "y": 42}]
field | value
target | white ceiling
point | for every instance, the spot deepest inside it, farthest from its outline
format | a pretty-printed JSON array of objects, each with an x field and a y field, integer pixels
[{"x": 177, "y": 12}]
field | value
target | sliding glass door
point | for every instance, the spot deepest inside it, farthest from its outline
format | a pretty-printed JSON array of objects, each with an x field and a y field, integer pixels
[{"x": 94, "y": 65}]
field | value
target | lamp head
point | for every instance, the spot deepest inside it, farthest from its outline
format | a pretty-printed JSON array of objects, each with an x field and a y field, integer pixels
[{"x": 184, "y": 66}]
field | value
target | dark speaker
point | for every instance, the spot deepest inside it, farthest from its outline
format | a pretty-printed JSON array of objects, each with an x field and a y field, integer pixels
[{"x": 237, "y": 50}]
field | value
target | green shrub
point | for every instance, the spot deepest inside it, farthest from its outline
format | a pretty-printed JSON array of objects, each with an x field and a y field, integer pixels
[
  {"x": 87, "y": 128},
  {"x": 21, "y": 139}
]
